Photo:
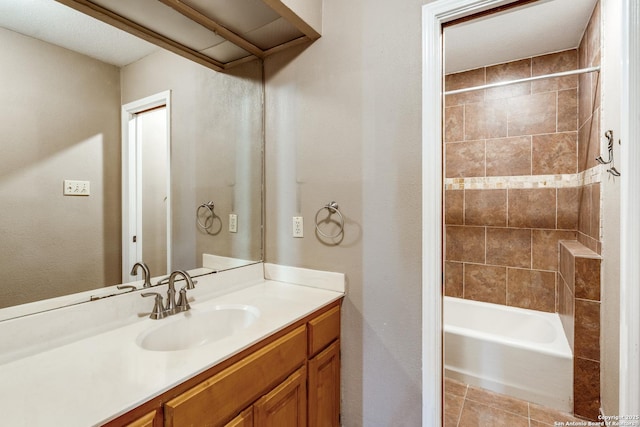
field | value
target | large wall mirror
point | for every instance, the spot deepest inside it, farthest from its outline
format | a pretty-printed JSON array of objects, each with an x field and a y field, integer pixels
[{"x": 65, "y": 79}]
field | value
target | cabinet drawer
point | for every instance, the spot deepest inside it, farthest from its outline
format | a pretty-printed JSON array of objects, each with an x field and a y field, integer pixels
[
  {"x": 324, "y": 329},
  {"x": 216, "y": 400}
]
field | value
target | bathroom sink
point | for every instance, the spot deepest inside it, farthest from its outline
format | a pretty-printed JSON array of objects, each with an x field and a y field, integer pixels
[{"x": 195, "y": 328}]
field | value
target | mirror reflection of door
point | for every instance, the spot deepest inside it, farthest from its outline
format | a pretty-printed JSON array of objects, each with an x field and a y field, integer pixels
[{"x": 146, "y": 187}]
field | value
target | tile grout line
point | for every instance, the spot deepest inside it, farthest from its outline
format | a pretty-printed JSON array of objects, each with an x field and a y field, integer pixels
[{"x": 464, "y": 400}]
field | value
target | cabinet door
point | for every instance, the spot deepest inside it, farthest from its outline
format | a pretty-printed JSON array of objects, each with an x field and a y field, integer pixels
[
  {"x": 245, "y": 419},
  {"x": 324, "y": 388},
  {"x": 216, "y": 400},
  {"x": 284, "y": 406}
]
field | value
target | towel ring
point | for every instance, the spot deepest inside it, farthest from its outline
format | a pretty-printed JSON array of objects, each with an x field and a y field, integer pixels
[
  {"x": 209, "y": 205},
  {"x": 332, "y": 208}
]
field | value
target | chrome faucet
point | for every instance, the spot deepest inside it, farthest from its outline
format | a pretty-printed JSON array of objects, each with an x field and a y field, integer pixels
[
  {"x": 183, "y": 304},
  {"x": 146, "y": 275},
  {"x": 159, "y": 309}
]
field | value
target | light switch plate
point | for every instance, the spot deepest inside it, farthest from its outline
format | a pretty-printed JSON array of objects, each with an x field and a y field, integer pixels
[
  {"x": 233, "y": 223},
  {"x": 298, "y": 226},
  {"x": 76, "y": 188}
]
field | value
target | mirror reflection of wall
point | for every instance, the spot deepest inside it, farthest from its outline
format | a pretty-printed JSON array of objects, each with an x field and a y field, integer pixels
[{"x": 60, "y": 119}]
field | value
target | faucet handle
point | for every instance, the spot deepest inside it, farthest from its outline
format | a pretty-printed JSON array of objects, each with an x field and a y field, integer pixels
[
  {"x": 158, "y": 311},
  {"x": 183, "y": 302}
]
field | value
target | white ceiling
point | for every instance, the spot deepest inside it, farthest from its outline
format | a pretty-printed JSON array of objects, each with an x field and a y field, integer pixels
[
  {"x": 537, "y": 28},
  {"x": 58, "y": 24}
]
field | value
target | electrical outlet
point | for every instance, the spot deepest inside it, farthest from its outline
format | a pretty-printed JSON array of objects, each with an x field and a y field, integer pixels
[
  {"x": 233, "y": 223},
  {"x": 298, "y": 226},
  {"x": 76, "y": 188}
]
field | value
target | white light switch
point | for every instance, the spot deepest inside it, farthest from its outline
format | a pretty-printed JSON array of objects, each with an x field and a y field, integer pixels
[
  {"x": 76, "y": 188},
  {"x": 298, "y": 226},
  {"x": 233, "y": 223}
]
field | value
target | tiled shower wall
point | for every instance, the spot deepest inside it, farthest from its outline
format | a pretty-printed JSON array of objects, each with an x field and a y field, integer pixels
[
  {"x": 589, "y": 134},
  {"x": 512, "y": 188},
  {"x": 520, "y": 176}
]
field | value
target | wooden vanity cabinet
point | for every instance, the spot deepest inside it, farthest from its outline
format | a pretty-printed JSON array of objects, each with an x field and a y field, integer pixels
[
  {"x": 217, "y": 399},
  {"x": 324, "y": 388},
  {"x": 324, "y": 370},
  {"x": 152, "y": 419},
  {"x": 290, "y": 379},
  {"x": 286, "y": 405}
]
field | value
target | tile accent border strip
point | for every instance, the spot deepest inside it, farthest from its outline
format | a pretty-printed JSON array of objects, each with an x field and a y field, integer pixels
[{"x": 590, "y": 176}]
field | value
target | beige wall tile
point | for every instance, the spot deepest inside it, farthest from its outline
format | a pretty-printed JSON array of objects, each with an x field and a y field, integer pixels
[
  {"x": 530, "y": 115},
  {"x": 485, "y": 207},
  {"x": 595, "y": 211},
  {"x": 509, "y": 71},
  {"x": 509, "y": 156},
  {"x": 532, "y": 208},
  {"x": 464, "y": 80},
  {"x": 568, "y": 208},
  {"x": 466, "y": 244},
  {"x": 585, "y": 99},
  {"x": 453, "y": 279},
  {"x": 510, "y": 247},
  {"x": 555, "y": 63},
  {"x": 587, "y": 278},
  {"x": 568, "y": 110},
  {"x": 566, "y": 310},
  {"x": 554, "y": 153},
  {"x": 454, "y": 207},
  {"x": 567, "y": 266},
  {"x": 586, "y": 388},
  {"x": 486, "y": 120},
  {"x": 584, "y": 214},
  {"x": 593, "y": 38},
  {"x": 464, "y": 159},
  {"x": 485, "y": 283},
  {"x": 587, "y": 329},
  {"x": 584, "y": 139},
  {"x": 594, "y": 133},
  {"x": 531, "y": 289},
  {"x": 454, "y": 124},
  {"x": 545, "y": 248}
]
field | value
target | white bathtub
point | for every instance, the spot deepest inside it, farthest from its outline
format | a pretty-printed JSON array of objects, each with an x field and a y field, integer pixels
[{"x": 514, "y": 351}]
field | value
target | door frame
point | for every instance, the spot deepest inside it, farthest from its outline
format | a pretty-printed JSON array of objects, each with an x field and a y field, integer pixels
[
  {"x": 433, "y": 16},
  {"x": 629, "y": 389},
  {"x": 131, "y": 162}
]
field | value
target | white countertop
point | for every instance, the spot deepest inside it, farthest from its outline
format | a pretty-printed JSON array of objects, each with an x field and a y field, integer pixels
[{"x": 95, "y": 377}]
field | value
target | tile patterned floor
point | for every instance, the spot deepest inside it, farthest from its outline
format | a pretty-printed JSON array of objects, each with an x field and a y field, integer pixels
[{"x": 469, "y": 406}]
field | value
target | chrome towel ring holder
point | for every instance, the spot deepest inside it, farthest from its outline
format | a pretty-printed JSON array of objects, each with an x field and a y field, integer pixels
[
  {"x": 332, "y": 208},
  {"x": 209, "y": 206}
]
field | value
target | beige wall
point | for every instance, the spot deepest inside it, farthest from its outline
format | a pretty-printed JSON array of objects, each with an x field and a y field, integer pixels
[
  {"x": 343, "y": 123},
  {"x": 60, "y": 120},
  {"x": 216, "y": 147}
]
